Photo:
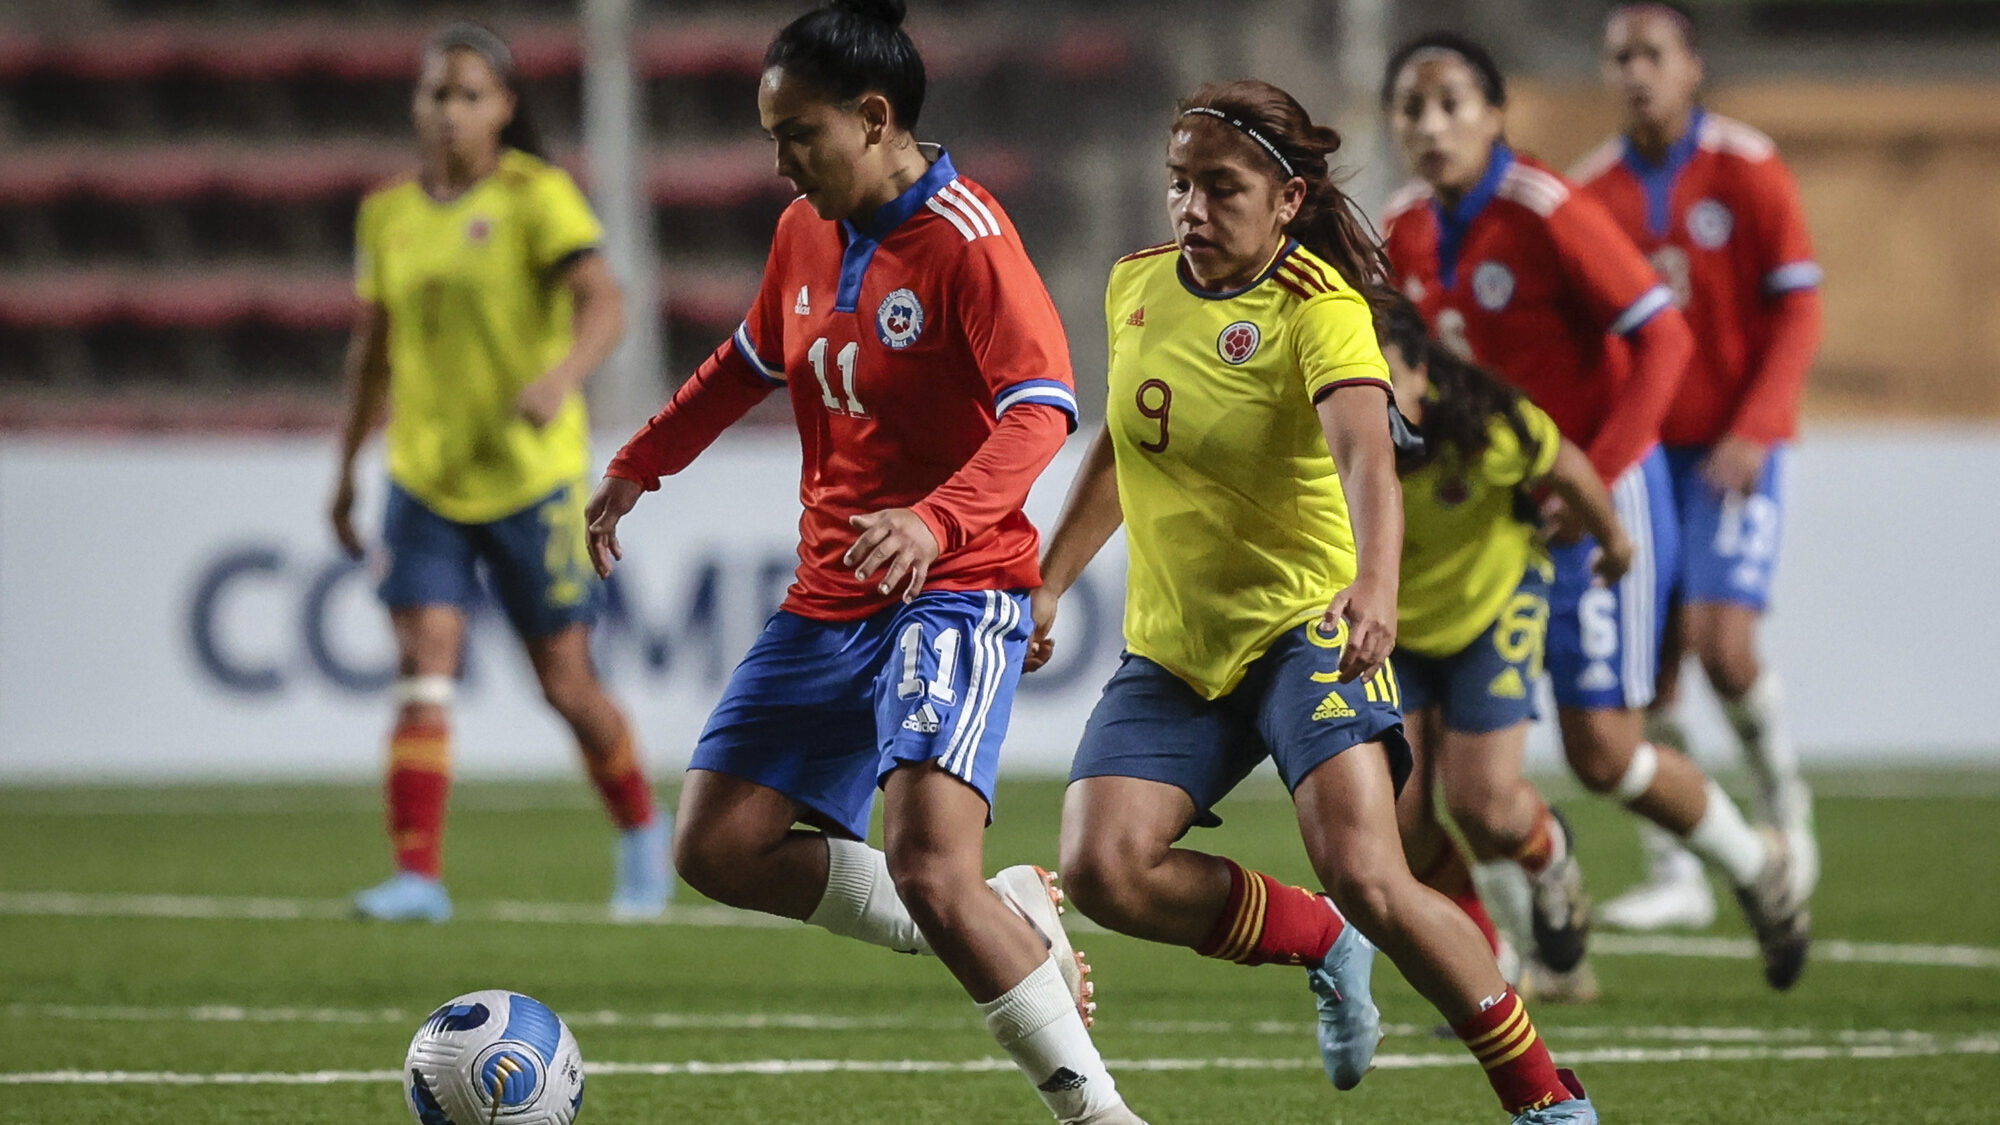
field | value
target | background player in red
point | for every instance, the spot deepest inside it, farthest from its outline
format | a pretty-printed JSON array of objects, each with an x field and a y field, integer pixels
[
  {"x": 1524, "y": 275},
  {"x": 1718, "y": 213},
  {"x": 930, "y": 380}
]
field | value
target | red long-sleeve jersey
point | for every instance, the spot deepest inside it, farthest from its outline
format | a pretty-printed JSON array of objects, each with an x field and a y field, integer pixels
[
  {"x": 927, "y": 370},
  {"x": 1720, "y": 219}
]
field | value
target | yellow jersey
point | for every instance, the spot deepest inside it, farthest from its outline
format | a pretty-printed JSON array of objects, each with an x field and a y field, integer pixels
[
  {"x": 477, "y": 310},
  {"x": 1464, "y": 550},
  {"x": 1236, "y": 522}
]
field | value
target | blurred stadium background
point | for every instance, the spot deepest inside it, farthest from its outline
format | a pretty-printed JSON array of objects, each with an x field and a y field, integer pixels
[{"x": 178, "y": 181}]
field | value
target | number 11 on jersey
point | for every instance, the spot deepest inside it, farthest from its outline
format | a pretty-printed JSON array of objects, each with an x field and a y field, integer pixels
[{"x": 816, "y": 355}]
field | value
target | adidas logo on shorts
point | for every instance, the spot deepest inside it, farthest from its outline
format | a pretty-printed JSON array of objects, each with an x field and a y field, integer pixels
[
  {"x": 1332, "y": 707},
  {"x": 1508, "y": 685},
  {"x": 924, "y": 720}
]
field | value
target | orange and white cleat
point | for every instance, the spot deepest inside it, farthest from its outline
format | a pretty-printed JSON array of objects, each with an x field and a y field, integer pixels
[{"x": 1035, "y": 895}]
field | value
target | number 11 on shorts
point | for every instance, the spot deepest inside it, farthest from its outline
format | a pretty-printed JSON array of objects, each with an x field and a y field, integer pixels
[{"x": 912, "y": 684}]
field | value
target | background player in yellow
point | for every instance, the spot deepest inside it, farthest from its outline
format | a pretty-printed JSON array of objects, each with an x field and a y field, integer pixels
[
  {"x": 1249, "y": 453},
  {"x": 484, "y": 306},
  {"x": 1473, "y": 614}
]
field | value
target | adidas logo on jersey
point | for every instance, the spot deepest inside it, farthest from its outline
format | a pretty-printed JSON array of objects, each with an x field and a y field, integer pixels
[
  {"x": 1508, "y": 685},
  {"x": 803, "y": 306},
  {"x": 1137, "y": 319},
  {"x": 924, "y": 720},
  {"x": 1332, "y": 707}
]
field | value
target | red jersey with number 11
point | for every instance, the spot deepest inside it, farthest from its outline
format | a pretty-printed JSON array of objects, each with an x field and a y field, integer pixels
[{"x": 903, "y": 341}]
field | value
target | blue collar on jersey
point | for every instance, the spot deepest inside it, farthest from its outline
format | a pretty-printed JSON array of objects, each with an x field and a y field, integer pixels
[
  {"x": 1657, "y": 180},
  {"x": 1454, "y": 222},
  {"x": 1188, "y": 282},
  {"x": 864, "y": 238}
]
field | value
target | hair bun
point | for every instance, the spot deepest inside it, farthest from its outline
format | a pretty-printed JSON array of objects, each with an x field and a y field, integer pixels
[{"x": 889, "y": 12}]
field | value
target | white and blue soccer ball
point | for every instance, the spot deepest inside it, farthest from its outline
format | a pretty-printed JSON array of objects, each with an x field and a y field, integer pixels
[{"x": 493, "y": 1056}]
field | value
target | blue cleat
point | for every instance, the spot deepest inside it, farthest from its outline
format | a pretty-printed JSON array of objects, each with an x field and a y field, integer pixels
[
  {"x": 1576, "y": 1111},
  {"x": 645, "y": 879},
  {"x": 1350, "y": 1026},
  {"x": 405, "y": 897}
]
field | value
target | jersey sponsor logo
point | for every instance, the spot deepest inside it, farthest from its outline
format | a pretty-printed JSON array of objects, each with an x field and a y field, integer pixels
[
  {"x": 1238, "y": 342},
  {"x": 1710, "y": 224},
  {"x": 1492, "y": 286},
  {"x": 1332, "y": 707},
  {"x": 900, "y": 319},
  {"x": 1137, "y": 319},
  {"x": 924, "y": 720},
  {"x": 1508, "y": 685},
  {"x": 804, "y": 305},
  {"x": 479, "y": 231}
]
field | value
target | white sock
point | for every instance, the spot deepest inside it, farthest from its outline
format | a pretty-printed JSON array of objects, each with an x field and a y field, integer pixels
[
  {"x": 1727, "y": 841},
  {"x": 1036, "y": 1023},
  {"x": 1758, "y": 721},
  {"x": 1503, "y": 886},
  {"x": 860, "y": 900}
]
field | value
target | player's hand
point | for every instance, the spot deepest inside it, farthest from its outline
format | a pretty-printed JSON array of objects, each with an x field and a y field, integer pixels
[
  {"x": 898, "y": 544},
  {"x": 1560, "y": 525},
  {"x": 1735, "y": 465},
  {"x": 614, "y": 497},
  {"x": 1042, "y": 610},
  {"x": 540, "y": 401},
  {"x": 341, "y": 513},
  {"x": 1369, "y": 608},
  {"x": 1613, "y": 558}
]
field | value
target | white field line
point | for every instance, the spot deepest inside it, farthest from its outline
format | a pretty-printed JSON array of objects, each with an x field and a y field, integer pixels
[
  {"x": 215, "y": 907},
  {"x": 807, "y": 1021},
  {"x": 775, "y": 1067}
]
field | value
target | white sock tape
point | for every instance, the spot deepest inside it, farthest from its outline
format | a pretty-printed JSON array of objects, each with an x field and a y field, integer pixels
[
  {"x": 1639, "y": 775},
  {"x": 436, "y": 690}
]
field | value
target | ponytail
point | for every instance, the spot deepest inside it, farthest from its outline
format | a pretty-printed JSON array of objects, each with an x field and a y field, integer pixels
[{"x": 1463, "y": 400}]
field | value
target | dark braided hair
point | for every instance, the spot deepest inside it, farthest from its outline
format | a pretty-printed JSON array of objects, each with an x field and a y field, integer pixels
[
  {"x": 848, "y": 48},
  {"x": 1463, "y": 400},
  {"x": 1328, "y": 222}
]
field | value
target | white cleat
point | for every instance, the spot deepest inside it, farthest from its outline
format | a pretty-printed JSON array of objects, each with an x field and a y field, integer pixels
[
  {"x": 1034, "y": 895},
  {"x": 1676, "y": 896}
]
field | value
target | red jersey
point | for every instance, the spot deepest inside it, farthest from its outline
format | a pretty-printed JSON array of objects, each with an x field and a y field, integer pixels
[
  {"x": 904, "y": 341},
  {"x": 1531, "y": 280},
  {"x": 1720, "y": 219}
]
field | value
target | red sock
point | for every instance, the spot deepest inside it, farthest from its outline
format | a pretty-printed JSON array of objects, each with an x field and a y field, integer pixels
[
  {"x": 1536, "y": 852},
  {"x": 1267, "y": 922},
  {"x": 419, "y": 781},
  {"x": 1450, "y": 877},
  {"x": 1517, "y": 1062},
  {"x": 622, "y": 784}
]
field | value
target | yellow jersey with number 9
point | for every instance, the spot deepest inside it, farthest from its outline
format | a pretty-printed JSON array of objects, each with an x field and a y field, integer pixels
[
  {"x": 1235, "y": 519},
  {"x": 477, "y": 309},
  {"x": 1464, "y": 550}
]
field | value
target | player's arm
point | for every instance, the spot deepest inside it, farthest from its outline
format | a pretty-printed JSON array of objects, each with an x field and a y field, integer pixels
[
  {"x": 1617, "y": 281},
  {"x": 1790, "y": 283},
  {"x": 1574, "y": 480},
  {"x": 367, "y": 377},
  {"x": 1090, "y": 514},
  {"x": 598, "y": 321},
  {"x": 1364, "y": 454}
]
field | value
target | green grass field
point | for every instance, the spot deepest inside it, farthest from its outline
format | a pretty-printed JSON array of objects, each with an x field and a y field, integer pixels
[{"x": 181, "y": 955}]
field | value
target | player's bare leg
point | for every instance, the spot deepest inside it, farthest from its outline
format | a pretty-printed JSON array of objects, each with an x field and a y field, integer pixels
[
  {"x": 1432, "y": 853},
  {"x": 1608, "y": 753},
  {"x": 1347, "y": 818},
  {"x": 735, "y": 841},
  {"x": 418, "y": 784},
  {"x": 568, "y": 676},
  {"x": 934, "y": 827}
]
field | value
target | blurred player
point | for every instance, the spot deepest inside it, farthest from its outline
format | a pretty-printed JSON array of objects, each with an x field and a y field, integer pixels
[
  {"x": 1249, "y": 414},
  {"x": 1711, "y": 204},
  {"x": 484, "y": 306},
  {"x": 930, "y": 380},
  {"x": 1472, "y": 615},
  {"x": 1517, "y": 271}
]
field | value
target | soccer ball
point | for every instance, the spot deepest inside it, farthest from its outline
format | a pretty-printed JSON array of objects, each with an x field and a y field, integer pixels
[{"x": 493, "y": 1056}]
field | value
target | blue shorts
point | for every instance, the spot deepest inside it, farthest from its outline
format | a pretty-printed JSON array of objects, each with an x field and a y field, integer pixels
[
  {"x": 1729, "y": 544},
  {"x": 1489, "y": 684},
  {"x": 822, "y": 711},
  {"x": 1151, "y": 725},
  {"x": 1604, "y": 641},
  {"x": 536, "y": 561}
]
